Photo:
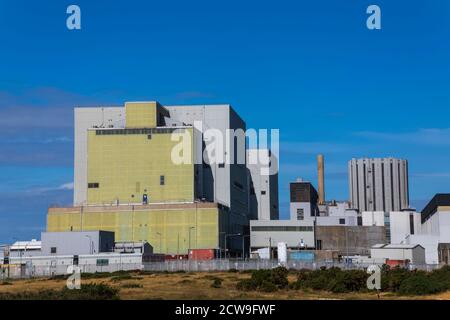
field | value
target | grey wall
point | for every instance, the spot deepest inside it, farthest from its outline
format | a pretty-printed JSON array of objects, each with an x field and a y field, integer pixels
[
  {"x": 85, "y": 118},
  {"x": 358, "y": 239},
  {"x": 76, "y": 243},
  {"x": 379, "y": 184}
]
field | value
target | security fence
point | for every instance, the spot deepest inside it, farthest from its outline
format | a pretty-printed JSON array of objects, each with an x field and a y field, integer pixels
[
  {"x": 24, "y": 271},
  {"x": 240, "y": 265}
]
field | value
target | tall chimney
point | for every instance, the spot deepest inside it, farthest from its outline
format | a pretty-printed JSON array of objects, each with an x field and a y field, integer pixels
[{"x": 320, "y": 175}]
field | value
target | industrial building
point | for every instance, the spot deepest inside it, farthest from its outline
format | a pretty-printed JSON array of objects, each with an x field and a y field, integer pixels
[
  {"x": 398, "y": 254},
  {"x": 430, "y": 229},
  {"x": 125, "y": 179},
  {"x": 263, "y": 188},
  {"x": 317, "y": 224},
  {"x": 378, "y": 184}
]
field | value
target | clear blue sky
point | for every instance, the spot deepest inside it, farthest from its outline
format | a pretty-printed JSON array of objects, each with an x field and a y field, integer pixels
[{"x": 310, "y": 68}]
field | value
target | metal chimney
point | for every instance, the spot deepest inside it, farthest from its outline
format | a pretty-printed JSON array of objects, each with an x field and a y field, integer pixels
[{"x": 320, "y": 175}]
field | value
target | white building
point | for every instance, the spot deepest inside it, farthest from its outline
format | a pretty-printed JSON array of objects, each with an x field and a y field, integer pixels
[
  {"x": 378, "y": 184},
  {"x": 337, "y": 213},
  {"x": 430, "y": 229},
  {"x": 415, "y": 253},
  {"x": 295, "y": 233},
  {"x": 22, "y": 249}
]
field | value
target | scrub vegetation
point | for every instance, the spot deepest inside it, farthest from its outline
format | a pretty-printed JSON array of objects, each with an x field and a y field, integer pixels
[{"x": 278, "y": 283}]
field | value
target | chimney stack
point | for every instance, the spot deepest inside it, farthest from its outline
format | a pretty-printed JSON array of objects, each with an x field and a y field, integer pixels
[{"x": 320, "y": 175}]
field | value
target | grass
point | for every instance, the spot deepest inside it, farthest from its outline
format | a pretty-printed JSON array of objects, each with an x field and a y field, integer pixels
[{"x": 199, "y": 285}]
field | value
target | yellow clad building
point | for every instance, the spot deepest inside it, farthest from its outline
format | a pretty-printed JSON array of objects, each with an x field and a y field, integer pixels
[{"x": 137, "y": 189}]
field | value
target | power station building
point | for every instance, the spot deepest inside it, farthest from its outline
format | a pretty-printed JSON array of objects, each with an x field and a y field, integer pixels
[
  {"x": 378, "y": 184},
  {"x": 144, "y": 172}
]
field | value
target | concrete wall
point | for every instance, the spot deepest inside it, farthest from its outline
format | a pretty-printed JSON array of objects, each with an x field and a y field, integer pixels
[
  {"x": 84, "y": 119},
  {"x": 358, "y": 240},
  {"x": 291, "y": 232},
  {"x": 264, "y": 200},
  {"x": 125, "y": 166},
  {"x": 76, "y": 243},
  {"x": 414, "y": 255},
  {"x": 378, "y": 184},
  {"x": 166, "y": 227}
]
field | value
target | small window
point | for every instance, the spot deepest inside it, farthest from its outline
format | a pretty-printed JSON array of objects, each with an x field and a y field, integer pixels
[
  {"x": 263, "y": 192},
  {"x": 149, "y": 137},
  {"x": 341, "y": 221},
  {"x": 53, "y": 250},
  {"x": 93, "y": 185},
  {"x": 300, "y": 214},
  {"x": 102, "y": 262},
  {"x": 162, "y": 180},
  {"x": 221, "y": 165}
]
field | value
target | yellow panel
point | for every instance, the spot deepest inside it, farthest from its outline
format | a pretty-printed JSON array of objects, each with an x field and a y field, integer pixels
[
  {"x": 169, "y": 231},
  {"x": 127, "y": 166},
  {"x": 141, "y": 114}
]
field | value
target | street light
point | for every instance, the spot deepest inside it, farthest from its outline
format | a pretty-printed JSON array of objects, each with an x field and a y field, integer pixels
[{"x": 229, "y": 235}]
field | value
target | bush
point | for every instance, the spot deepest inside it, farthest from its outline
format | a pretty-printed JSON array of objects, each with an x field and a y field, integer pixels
[
  {"x": 217, "y": 283},
  {"x": 267, "y": 286},
  {"x": 131, "y": 285},
  {"x": 418, "y": 284},
  {"x": 89, "y": 291},
  {"x": 265, "y": 280},
  {"x": 333, "y": 279}
]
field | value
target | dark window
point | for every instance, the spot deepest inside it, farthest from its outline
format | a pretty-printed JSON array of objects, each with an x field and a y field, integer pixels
[
  {"x": 162, "y": 180},
  {"x": 300, "y": 214},
  {"x": 149, "y": 137},
  {"x": 359, "y": 221},
  {"x": 411, "y": 224},
  {"x": 221, "y": 165},
  {"x": 102, "y": 262},
  {"x": 93, "y": 185},
  {"x": 283, "y": 228},
  {"x": 53, "y": 250},
  {"x": 75, "y": 260},
  {"x": 263, "y": 192},
  {"x": 341, "y": 221}
]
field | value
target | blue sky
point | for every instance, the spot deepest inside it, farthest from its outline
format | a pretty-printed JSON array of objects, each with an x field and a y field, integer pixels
[{"x": 310, "y": 68}]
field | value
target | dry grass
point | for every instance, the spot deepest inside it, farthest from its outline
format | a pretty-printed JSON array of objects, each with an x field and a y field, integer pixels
[{"x": 195, "y": 286}]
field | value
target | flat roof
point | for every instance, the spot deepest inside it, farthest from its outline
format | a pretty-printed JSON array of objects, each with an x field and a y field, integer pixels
[{"x": 440, "y": 199}]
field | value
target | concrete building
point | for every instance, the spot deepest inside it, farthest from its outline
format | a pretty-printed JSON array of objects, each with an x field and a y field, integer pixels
[
  {"x": 349, "y": 240},
  {"x": 263, "y": 187},
  {"x": 378, "y": 184},
  {"x": 303, "y": 200},
  {"x": 76, "y": 243},
  {"x": 126, "y": 179},
  {"x": 335, "y": 213},
  {"x": 434, "y": 233},
  {"x": 25, "y": 248},
  {"x": 400, "y": 225},
  {"x": 295, "y": 233},
  {"x": 414, "y": 254}
]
